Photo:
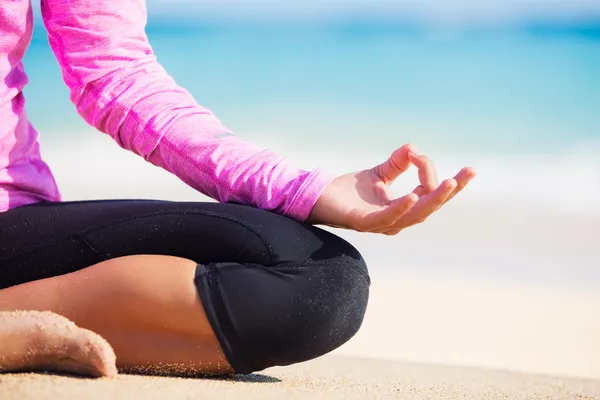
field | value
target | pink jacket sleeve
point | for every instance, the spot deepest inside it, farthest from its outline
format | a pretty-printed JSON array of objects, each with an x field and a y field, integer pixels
[{"x": 119, "y": 88}]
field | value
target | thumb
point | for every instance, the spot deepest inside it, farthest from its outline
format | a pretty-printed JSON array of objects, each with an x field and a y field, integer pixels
[{"x": 398, "y": 163}]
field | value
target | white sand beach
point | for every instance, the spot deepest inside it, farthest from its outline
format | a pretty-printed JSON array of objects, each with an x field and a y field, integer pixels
[
  {"x": 528, "y": 329},
  {"x": 330, "y": 377},
  {"x": 462, "y": 341}
]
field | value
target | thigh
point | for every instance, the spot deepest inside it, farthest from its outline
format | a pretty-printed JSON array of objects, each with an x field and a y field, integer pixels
[{"x": 50, "y": 239}]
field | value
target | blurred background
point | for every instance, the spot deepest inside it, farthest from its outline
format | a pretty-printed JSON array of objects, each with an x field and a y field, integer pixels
[{"x": 508, "y": 275}]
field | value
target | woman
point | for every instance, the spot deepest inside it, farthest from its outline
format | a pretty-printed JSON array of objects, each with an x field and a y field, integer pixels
[{"x": 235, "y": 286}]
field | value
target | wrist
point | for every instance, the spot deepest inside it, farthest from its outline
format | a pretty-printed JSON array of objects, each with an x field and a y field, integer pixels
[{"x": 304, "y": 205}]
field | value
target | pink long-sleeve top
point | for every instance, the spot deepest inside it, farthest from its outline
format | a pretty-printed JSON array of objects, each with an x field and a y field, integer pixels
[{"x": 119, "y": 88}]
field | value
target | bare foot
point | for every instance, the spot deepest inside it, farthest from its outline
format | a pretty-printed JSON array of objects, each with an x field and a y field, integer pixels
[{"x": 34, "y": 340}]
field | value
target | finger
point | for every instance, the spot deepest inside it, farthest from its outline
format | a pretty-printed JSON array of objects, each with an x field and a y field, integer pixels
[
  {"x": 427, "y": 205},
  {"x": 398, "y": 163},
  {"x": 427, "y": 173},
  {"x": 462, "y": 178},
  {"x": 421, "y": 191},
  {"x": 386, "y": 217}
]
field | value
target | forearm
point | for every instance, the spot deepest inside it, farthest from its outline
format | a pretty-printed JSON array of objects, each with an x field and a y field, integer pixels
[{"x": 118, "y": 87}]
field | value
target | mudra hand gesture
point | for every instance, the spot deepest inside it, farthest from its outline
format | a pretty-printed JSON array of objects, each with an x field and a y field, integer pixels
[{"x": 362, "y": 201}]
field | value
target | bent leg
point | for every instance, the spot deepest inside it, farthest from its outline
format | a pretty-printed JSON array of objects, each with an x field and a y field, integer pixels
[
  {"x": 273, "y": 291},
  {"x": 147, "y": 307}
]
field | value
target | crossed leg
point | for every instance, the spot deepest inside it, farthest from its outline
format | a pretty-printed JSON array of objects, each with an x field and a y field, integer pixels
[
  {"x": 262, "y": 289},
  {"x": 146, "y": 307}
]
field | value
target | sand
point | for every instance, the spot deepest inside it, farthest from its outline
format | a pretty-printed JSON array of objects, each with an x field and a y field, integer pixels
[
  {"x": 330, "y": 377},
  {"x": 537, "y": 329}
]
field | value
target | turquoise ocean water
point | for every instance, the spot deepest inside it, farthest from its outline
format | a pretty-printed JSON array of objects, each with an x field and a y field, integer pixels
[{"x": 520, "y": 89}]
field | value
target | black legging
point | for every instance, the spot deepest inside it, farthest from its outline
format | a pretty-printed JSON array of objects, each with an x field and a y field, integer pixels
[{"x": 275, "y": 291}]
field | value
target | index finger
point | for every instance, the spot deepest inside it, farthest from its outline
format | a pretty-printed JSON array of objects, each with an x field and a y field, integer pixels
[
  {"x": 398, "y": 163},
  {"x": 427, "y": 173}
]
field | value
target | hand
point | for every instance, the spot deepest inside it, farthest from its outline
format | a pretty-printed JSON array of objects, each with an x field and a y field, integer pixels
[{"x": 361, "y": 200}]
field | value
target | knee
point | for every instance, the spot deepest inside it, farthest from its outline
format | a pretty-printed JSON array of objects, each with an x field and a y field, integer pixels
[
  {"x": 337, "y": 310},
  {"x": 325, "y": 314},
  {"x": 287, "y": 313}
]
